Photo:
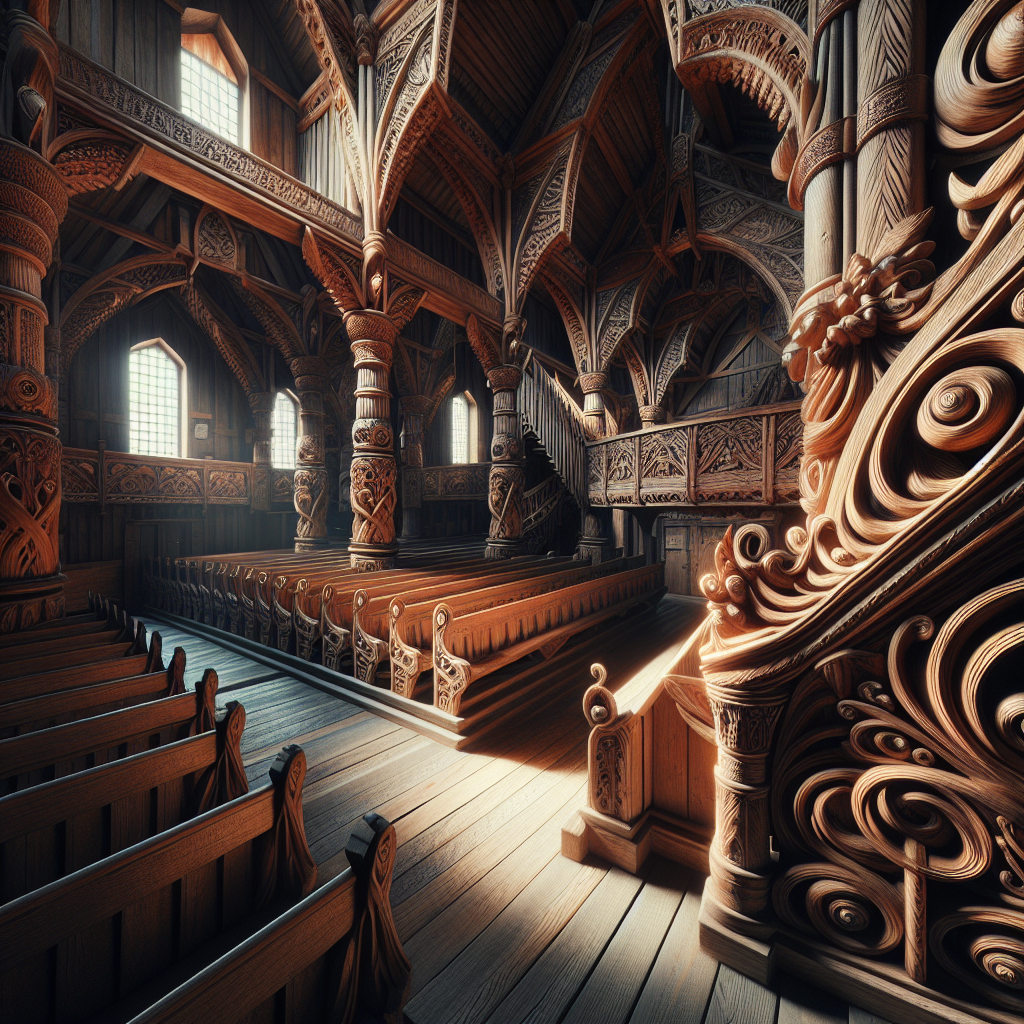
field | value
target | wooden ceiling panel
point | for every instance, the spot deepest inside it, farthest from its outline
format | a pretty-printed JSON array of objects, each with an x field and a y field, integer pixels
[
  {"x": 429, "y": 186},
  {"x": 502, "y": 56},
  {"x": 599, "y": 200}
]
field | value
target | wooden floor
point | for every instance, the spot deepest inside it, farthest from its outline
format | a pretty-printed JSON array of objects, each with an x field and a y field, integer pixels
[{"x": 498, "y": 926}]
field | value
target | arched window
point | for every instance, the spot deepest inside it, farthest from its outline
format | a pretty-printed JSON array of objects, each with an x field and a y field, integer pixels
[
  {"x": 283, "y": 431},
  {"x": 464, "y": 435},
  {"x": 213, "y": 76},
  {"x": 156, "y": 400}
]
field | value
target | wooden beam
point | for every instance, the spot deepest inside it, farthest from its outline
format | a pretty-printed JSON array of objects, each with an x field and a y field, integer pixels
[{"x": 119, "y": 229}]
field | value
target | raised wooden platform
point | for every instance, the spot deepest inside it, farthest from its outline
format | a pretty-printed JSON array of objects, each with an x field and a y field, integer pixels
[{"x": 498, "y": 925}]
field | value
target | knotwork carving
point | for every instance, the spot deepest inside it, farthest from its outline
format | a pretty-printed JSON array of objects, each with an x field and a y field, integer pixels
[
  {"x": 29, "y": 503},
  {"x": 87, "y": 160},
  {"x": 310, "y": 497},
  {"x": 373, "y": 499},
  {"x": 505, "y": 500}
]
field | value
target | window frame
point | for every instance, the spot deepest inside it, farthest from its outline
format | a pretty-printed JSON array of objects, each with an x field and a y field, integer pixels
[
  {"x": 294, "y": 399},
  {"x": 198, "y": 23},
  {"x": 183, "y": 417},
  {"x": 472, "y": 431}
]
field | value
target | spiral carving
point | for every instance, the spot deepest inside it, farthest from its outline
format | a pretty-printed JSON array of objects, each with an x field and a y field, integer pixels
[
  {"x": 853, "y": 909},
  {"x": 967, "y": 408},
  {"x": 984, "y": 948}
]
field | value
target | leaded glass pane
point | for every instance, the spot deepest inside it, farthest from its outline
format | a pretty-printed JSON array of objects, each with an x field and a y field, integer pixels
[
  {"x": 460, "y": 430},
  {"x": 154, "y": 403},
  {"x": 282, "y": 433},
  {"x": 209, "y": 97}
]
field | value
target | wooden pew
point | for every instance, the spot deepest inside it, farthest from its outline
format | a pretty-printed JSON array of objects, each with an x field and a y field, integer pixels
[
  {"x": 410, "y": 617},
  {"x": 83, "y": 675},
  {"x": 53, "y": 629},
  {"x": 50, "y": 830},
  {"x": 65, "y": 749},
  {"x": 289, "y": 970},
  {"x": 128, "y": 641},
  {"x": 56, "y": 708},
  {"x": 290, "y": 627},
  {"x": 371, "y": 612},
  {"x": 468, "y": 647},
  {"x": 121, "y": 926}
]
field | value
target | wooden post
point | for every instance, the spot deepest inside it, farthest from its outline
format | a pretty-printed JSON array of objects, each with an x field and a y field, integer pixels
[
  {"x": 311, "y": 487},
  {"x": 414, "y": 408},
  {"x": 373, "y": 473},
  {"x": 261, "y": 403},
  {"x": 507, "y": 480},
  {"x": 594, "y": 423},
  {"x": 32, "y": 206}
]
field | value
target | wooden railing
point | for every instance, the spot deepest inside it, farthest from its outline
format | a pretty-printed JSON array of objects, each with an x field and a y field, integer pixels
[
  {"x": 455, "y": 483},
  {"x": 747, "y": 457},
  {"x": 104, "y": 477}
]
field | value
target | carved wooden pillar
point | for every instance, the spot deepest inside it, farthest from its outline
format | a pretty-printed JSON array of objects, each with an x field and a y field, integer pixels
[
  {"x": 651, "y": 415},
  {"x": 414, "y": 408},
  {"x": 262, "y": 404},
  {"x": 893, "y": 95},
  {"x": 594, "y": 543},
  {"x": 593, "y": 384},
  {"x": 33, "y": 202},
  {"x": 373, "y": 473},
  {"x": 740, "y": 856},
  {"x": 507, "y": 480},
  {"x": 311, "y": 487}
]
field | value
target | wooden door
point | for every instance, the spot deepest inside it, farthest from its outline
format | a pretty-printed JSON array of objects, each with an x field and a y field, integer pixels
[{"x": 677, "y": 559}]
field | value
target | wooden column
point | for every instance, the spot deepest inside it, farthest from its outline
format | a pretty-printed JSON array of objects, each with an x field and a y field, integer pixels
[
  {"x": 594, "y": 424},
  {"x": 311, "y": 487},
  {"x": 374, "y": 473},
  {"x": 893, "y": 96},
  {"x": 507, "y": 480},
  {"x": 651, "y": 415},
  {"x": 261, "y": 403},
  {"x": 33, "y": 202},
  {"x": 414, "y": 408}
]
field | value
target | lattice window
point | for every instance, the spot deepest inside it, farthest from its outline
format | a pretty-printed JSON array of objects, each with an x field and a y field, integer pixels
[
  {"x": 209, "y": 97},
  {"x": 156, "y": 388},
  {"x": 460, "y": 430},
  {"x": 283, "y": 432}
]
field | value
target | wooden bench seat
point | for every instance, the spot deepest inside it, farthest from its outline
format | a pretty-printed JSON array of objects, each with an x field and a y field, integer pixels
[
  {"x": 410, "y": 620},
  {"x": 288, "y": 969},
  {"x": 304, "y": 623},
  {"x": 42, "y": 712},
  {"x": 55, "y": 629},
  {"x": 65, "y": 749},
  {"x": 50, "y": 830},
  {"x": 91, "y": 941},
  {"x": 127, "y": 642},
  {"x": 371, "y": 612},
  {"x": 336, "y": 603},
  {"x": 468, "y": 647},
  {"x": 83, "y": 675}
]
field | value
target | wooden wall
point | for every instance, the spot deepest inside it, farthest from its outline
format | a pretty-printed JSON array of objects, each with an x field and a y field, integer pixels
[
  {"x": 139, "y": 41},
  {"x": 98, "y": 384}
]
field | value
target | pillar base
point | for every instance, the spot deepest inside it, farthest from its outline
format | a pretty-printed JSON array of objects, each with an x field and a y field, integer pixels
[
  {"x": 503, "y": 549},
  {"x": 369, "y": 558},
  {"x": 310, "y": 544},
  {"x": 23, "y": 603}
]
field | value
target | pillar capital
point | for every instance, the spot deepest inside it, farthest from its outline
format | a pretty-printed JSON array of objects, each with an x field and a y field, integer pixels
[
  {"x": 651, "y": 415},
  {"x": 596, "y": 381},
  {"x": 506, "y": 377}
]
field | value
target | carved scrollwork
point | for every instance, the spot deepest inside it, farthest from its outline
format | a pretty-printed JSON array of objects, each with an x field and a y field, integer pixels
[
  {"x": 29, "y": 503},
  {"x": 373, "y": 499}
]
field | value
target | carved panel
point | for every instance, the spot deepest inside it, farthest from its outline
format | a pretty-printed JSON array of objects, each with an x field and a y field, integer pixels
[
  {"x": 29, "y": 503},
  {"x": 728, "y": 460},
  {"x": 451, "y": 482},
  {"x": 282, "y": 485}
]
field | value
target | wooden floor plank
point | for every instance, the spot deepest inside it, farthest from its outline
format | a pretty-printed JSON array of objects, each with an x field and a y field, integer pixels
[
  {"x": 679, "y": 986},
  {"x": 612, "y": 988},
  {"x": 477, "y": 980},
  {"x": 543, "y": 994},
  {"x": 801, "y": 1003},
  {"x": 466, "y": 899},
  {"x": 740, "y": 1000},
  {"x": 499, "y": 831}
]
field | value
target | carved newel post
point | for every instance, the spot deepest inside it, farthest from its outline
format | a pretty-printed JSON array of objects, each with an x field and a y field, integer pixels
[
  {"x": 261, "y": 403},
  {"x": 507, "y": 480},
  {"x": 651, "y": 415},
  {"x": 593, "y": 385},
  {"x": 311, "y": 486},
  {"x": 740, "y": 856},
  {"x": 414, "y": 408},
  {"x": 33, "y": 202},
  {"x": 374, "y": 473}
]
